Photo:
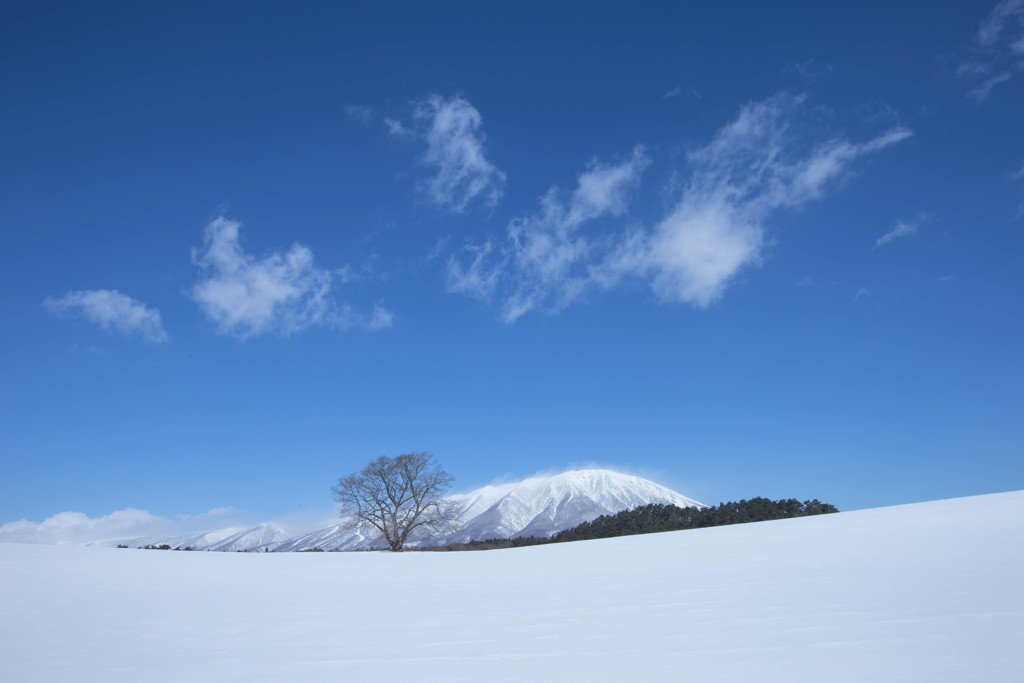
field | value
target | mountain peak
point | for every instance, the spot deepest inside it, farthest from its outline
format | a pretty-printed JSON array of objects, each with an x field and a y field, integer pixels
[{"x": 544, "y": 504}]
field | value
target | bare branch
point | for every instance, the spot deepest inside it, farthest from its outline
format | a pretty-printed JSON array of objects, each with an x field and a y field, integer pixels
[{"x": 399, "y": 497}]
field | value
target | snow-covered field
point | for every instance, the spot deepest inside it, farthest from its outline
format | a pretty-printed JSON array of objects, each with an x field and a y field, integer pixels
[{"x": 927, "y": 592}]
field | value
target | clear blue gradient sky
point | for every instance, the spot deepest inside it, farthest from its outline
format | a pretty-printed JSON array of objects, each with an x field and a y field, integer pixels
[{"x": 743, "y": 249}]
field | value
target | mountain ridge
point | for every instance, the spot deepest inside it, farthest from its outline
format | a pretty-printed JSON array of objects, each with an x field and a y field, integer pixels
[{"x": 541, "y": 505}]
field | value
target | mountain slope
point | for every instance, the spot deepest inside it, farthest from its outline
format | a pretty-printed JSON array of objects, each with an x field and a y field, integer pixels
[
  {"x": 545, "y": 505},
  {"x": 260, "y": 537},
  {"x": 337, "y": 537},
  {"x": 201, "y": 540}
]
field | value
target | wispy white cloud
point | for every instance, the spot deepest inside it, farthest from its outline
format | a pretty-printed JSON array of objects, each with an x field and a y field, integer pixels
[
  {"x": 996, "y": 54},
  {"x": 982, "y": 91},
  {"x": 87, "y": 350},
  {"x": 475, "y": 270},
  {"x": 1004, "y": 24},
  {"x": 862, "y": 292},
  {"x": 901, "y": 229},
  {"x": 808, "y": 70},
  {"x": 364, "y": 272},
  {"x": 1019, "y": 175},
  {"x": 694, "y": 252},
  {"x": 459, "y": 171},
  {"x": 753, "y": 167},
  {"x": 360, "y": 113},
  {"x": 111, "y": 310},
  {"x": 378, "y": 319},
  {"x": 678, "y": 90},
  {"x": 546, "y": 260},
  {"x": 281, "y": 293},
  {"x": 399, "y": 130},
  {"x": 214, "y": 514}
]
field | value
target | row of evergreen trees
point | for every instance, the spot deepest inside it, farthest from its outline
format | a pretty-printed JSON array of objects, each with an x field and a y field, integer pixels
[{"x": 656, "y": 517}]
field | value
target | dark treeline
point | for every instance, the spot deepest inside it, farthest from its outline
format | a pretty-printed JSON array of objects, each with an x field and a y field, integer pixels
[
  {"x": 656, "y": 517},
  {"x": 490, "y": 544}
]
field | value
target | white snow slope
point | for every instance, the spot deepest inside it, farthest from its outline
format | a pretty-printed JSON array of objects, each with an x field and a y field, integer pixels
[{"x": 926, "y": 592}]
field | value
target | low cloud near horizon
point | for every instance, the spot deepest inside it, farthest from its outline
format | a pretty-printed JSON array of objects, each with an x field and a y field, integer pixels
[{"x": 129, "y": 523}]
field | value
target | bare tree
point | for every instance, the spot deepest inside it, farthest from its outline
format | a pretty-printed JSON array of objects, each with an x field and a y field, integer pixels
[{"x": 401, "y": 497}]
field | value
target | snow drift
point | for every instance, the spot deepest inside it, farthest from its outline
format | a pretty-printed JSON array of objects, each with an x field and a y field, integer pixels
[{"x": 926, "y": 592}]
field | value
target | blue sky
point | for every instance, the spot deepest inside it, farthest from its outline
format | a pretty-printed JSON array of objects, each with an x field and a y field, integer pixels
[{"x": 742, "y": 250}]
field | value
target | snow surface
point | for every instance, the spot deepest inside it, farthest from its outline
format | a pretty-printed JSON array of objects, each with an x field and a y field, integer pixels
[
  {"x": 925, "y": 592},
  {"x": 542, "y": 505}
]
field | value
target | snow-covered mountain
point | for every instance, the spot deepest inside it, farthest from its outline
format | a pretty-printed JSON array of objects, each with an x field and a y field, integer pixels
[
  {"x": 202, "y": 540},
  {"x": 542, "y": 505},
  {"x": 229, "y": 539},
  {"x": 335, "y": 537},
  {"x": 539, "y": 506},
  {"x": 264, "y": 536}
]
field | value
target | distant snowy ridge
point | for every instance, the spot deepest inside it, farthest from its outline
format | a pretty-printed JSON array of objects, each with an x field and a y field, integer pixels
[
  {"x": 202, "y": 540},
  {"x": 261, "y": 537},
  {"x": 336, "y": 537},
  {"x": 264, "y": 536},
  {"x": 541, "y": 505}
]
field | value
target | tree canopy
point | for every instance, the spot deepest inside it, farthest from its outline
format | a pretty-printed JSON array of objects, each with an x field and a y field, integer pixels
[{"x": 401, "y": 497}]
